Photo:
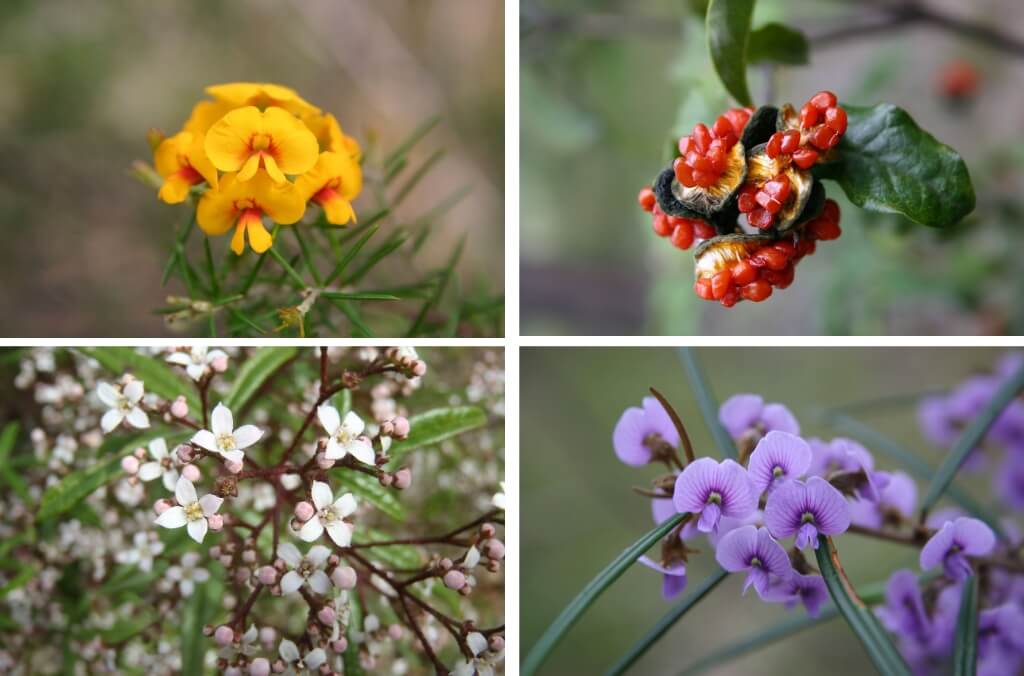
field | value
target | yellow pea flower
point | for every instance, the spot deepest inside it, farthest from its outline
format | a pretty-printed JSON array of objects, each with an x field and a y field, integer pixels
[
  {"x": 333, "y": 183},
  {"x": 247, "y": 138},
  {"x": 242, "y": 205},
  {"x": 182, "y": 163},
  {"x": 330, "y": 136},
  {"x": 262, "y": 95},
  {"x": 205, "y": 113}
]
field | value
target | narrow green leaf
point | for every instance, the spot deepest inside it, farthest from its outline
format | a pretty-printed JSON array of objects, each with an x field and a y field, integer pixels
[
  {"x": 130, "y": 626},
  {"x": 886, "y": 163},
  {"x": 707, "y": 403},
  {"x": 434, "y": 426},
  {"x": 971, "y": 437},
  {"x": 286, "y": 266},
  {"x": 376, "y": 256},
  {"x": 254, "y": 373},
  {"x": 443, "y": 279},
  {"x": 307, "y": 257},
  {"x": 366, "y": 487},
  {"x": 351, "y": 254},
  {"x": 414, "y": 180},
  {"x": 193, "y": 643},
  {"x": 667, "y": 621},
  {"x": 728, "y": 32},
  {"x": 965, "y": 646},
  {"x": 359, "y": 295},
  {"x": 572, "y": 612},
  {"x": 211, "y": 269},
  {"x": 862, "y": 621},
  {"x": 415, "y": 137},
  {"x": 777, "y": 43},
  {"x": 352, "y": 314},
  {"x": 403, "y": 557},
  {"x": 353, "y": 665},
  {"x": 8, "y": 436},
  {"x": 158, "y": 376}
]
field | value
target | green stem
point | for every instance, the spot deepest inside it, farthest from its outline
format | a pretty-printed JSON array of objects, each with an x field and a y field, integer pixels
[
  {"x": 296, "y": 277},
  {"x": 707, "y": 403},
  {"x": 965, "y": 647},
  {"x": 572, "y": 612}
]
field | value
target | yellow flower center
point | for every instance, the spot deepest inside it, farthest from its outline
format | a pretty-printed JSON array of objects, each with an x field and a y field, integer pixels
[
  {"x": 261, "y": 142},
  {"x": 123, "y": 404},
  {"x": 226, "y": 442},
  {"x": 193, "y": 512},
  {"x": 328, "y": 515}
]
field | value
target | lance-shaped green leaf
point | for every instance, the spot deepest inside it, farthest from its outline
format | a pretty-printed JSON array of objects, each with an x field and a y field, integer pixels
[
  {"x": 971, "y": 437},
  {"x": 434, "y": 426},
  {"x": 707, "y": 403},
  {"x": 367, "y": 488},
  {"x": 254, "y": 372},
  {"x": 965, "y": 645},
  {"x": 886, "y": 163},
  {"x": 862, "y": 621},
  {"x": 158, "y": 376},
  {"x": 572, "y": 612},
  {"x": 667, "y": 620},
  {"x": 776, "y": 43},
  {"x": 195, "y": 613},
  {"x": 728, "y": 31},
  {"x": 404, "y": 557}
]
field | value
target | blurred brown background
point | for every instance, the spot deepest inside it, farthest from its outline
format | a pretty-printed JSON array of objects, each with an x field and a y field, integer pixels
[{"x": 82, "y": 80}]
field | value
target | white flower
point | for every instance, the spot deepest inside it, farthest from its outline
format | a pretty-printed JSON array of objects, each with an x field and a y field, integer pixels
[
  {"x": 329, "y": 515},
  {"x": 224, "y": 439},
  {"x": 124, "y": 405},
  {"x": 187, "y": 574},
  {"x": 146, "y": 547},
  {"x": 499, "y": 498},
  {"x": 289, "y": 652},
  {"x": 483, "y": 666},
  {"x": 306, "y": 569},
  {"x": 471, "y": 559},
  {"x": 246, "y": 646},
  {"x": 190, "y": 510},
  {"x": 344, "y": 436},
  {"x": 162, "y": 465},
  {"x": 406, "y": 353},
  {"x": 197, "y": 361}
]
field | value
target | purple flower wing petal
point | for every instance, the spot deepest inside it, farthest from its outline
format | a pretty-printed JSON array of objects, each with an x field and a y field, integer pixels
[
  {"x": 831, "y": 510},
  {"x": 900, "y": 493},
  {"x": 773, "y": 556},
  {"x": 658, "y": 420},
  {"x": 973, "y": 536},
  {"x": 628, "y": 438},
  {"x": 662, "y": 508},
  {"x": 738, "y": 495},
  {"x": 736, "y": 547},
  {"x": 786, "y": 451},
  {"x": 783, "y": 509},
  {"x": 694, "y": 484},
  {"x": 740, "y": 412},
  {"x": 778, "y": 417},
  {"x": 673, "y": 584},
  {"x": 934, "y": 551}
]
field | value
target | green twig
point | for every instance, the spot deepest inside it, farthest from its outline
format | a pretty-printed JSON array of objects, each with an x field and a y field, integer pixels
[{"x": 707, "y": 403}]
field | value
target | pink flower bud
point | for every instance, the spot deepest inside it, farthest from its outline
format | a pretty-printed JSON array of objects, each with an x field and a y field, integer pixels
[
  {"x": 385, "y": 480},
  {"x": 224, "y": 635},
  {"x": 268, "y": 634},
  {"x": 242, "y": 574},
  {"x": 395, "y": 631},
  {"x": 267, "y": 575},
  {"x": 219, "y": 364},
  {"x": 185, "y": 452},
  {"x": 233, "y": 467},
  {"x": 232, "y": 671},
  {"x": 304, "y": 511},
  {"x": 216, "y": 521},
  {"x": 401, "y": 424},
  {"x": 419, "y": 368},
  {"x": 215, "y": 551},
  {"x": 344, "y": 577},
  {"x": 323, "y": 462},
  {"x": 497, "y": 643},
  {"x": 161, "y": 506},
  {"x": 327, "y": 615},
  {"x": 495, "y": 550},
  {"x": 487, "y": 530},
  {"x": 140, "y": 453},
  {"x": 387, "y": 428},
  {"x": 225, "y": 560},
  {"x": 190, "y": 472},
  {"x": 403, "y": 478},
  {"x": 249, "y": 556},
  {"x": 340, "y": 646},
  {"x": 179, "y": 409},
  {"x": 260, "y": 667},
  {"x": 445, "y": 564},
  {"x": 130, "y": 464},
  {"x": 454, "y": 579}
]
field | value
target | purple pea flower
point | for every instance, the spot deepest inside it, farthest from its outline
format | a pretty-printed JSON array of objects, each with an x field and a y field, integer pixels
[
  {"x": 753, "y": 550},
  {"x": 797, "y": 588},
  {"x": 903, "y": 613},
  {"x": 663, "y": 508},
  {"x": 638, "y": 427},
  {"x": 674, "y": 580},
  {"x": 727, "y": 524},
  {"x": 805, "y": 510},
  {"x": 742, "y": 413},
  {"x": 846, "y": 455},
  {"x": 1000, "y": 642},
  {"x": 778, "y": 456},
  {"x": 953, "y": 543},
  {"x": 714, "y": 490},
  {"x": 898, "y": 497}
]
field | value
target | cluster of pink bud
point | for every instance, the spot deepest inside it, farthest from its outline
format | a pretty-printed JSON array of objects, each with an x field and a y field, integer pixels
[
  {"x": 397, "y": 427},
  {"x": 179, "y": 409},
  {"x": 407, "y": 361}
]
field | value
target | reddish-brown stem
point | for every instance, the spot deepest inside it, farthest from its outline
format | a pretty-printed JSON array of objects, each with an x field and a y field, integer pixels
[{"x": 439, "y": 668}]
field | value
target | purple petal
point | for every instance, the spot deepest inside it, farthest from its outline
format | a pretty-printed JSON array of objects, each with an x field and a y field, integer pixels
[
  {"x": 866, "y": 513},
  {"x": 709, "y": 518},
  {"x": 738, "y": 496},
  {"x": 773, "y": 556},
  {"x": 900, "y": 494},
  {"x": 934, "y": 551},
  {"x": 727, "y": 524},
  {"x": 1010, "y": 481},
  {"x": 904, "y": 611},
  {"x": 740, "y": 413},
  {"x": 736, "y": 547},
  {"x": 658, "y": 420},
  {"x": 831, "y": 510},
  {"x": 628, "y": 438},
  {"x": 694, "y": 484},
  {"x": 813, "y": 592},
  {"x": 937, "y": 518},
  {"x": 778, "y": 417},
  {"x": 807, "y": 535},
  {"x": 956, "y": 567},
  {"x": 676, "y": 570},
  {"x": 935, "y": 422},
  {"x": 973, "y": 536},
  {"x": 673, "y": 585},
  {"x": 784, "y": 509},
  {"x": 787, "y": 505},
  {"x": 662, "y": 508},
  {"x": 786, "y": 452}
]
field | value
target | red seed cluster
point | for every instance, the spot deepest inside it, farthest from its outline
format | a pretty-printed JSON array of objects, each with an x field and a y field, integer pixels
[
  {"x": 771, "y": 266},
  {"x": 682, "y": 232},
  {"x": 704, "y": 154},
  {"x": 823, "y": 120},
  {"x": 959, "y": 80},
  {"x": 762, "y": 202},
  {"x": 787, "y": 144}
]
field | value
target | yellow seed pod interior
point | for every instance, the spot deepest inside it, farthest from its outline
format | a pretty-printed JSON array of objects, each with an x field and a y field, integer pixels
[
  {"x": 720, "y": 253},
  {"x": 761, "y": 169},
  {"x": 709, "y": 200}
]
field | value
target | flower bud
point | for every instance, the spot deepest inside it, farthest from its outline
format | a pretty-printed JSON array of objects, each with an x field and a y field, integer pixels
[
  {"x": 304, "y": 511},
  {"x": 385, "y": 479},
  {"x": 260, "y": 667},
  {"x": 387, "y": 428},
  {"x": 327, "y": 615},
  {"x": 179, "y": 409},
  {"x": 454, "y": 579},
  {"x": 344, "y": 577},
  {"x": 232, "y": 671},
  {"x": 395, "y": 631},
  {"x": 216, "y": 521},
  {"x": 487, "y": 530},
  {"x": 225, "y": 560},
  {"x": 215, "y": 551},
  {"x": 161, "y": 506},
  {"x": 220, "y": 364},
  {"x": 224, "y": 635},
  {"x": 242, "y": 573},
  {"x": 403, "y": 478},
  {"x": 185, "y": 453},
  {"x": 267, "y": 575},
  {"x": 190, "y": 472},
  {"x": 401, "y": 424},
  {"x": 278, "y": 666},
  {"x": 130, "y": 464},
  {"x": 340, "y": 646},
  {"x": 445, "y": 564},
  {"x": 233, "y": 467},
  {"x": 249, "y": 556},
  {"x": 495, "y": 550},
  {"x": 323, "y": 462},
  {"x": 268, "y": 634},
  {"x": 497, "y": 643}
]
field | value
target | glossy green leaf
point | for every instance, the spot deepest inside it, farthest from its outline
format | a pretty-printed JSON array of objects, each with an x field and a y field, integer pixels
[
  {"x": 707, "y": 402},
  {"x": 193, "y": 644},
  {"x": 437, "y": 425},
  {"x": 728, "y": 32},
  {"x": 158, "y": 376},
  {"x": 254, "y": 372},
  {"x": 572, "y": 612},
  {"x": 887, "y": 163},
  {"x": 862, "y": 621},
  {"x": 965, "y": 644},
  {"x": 397, "y": 556},
  {"x": 366, "y": 487},
  {"x": 776, "y": 43},
  {"x": 971, "y": 437}
]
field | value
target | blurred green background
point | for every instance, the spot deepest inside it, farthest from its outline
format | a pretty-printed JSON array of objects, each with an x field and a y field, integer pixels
[
  {"x": 82, "y": 80},
  {"x": 578, "y": 511},
  {"x": 606, "y": 84}
]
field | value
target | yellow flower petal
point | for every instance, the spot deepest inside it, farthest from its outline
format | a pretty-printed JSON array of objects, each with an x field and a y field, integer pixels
[
  {"x": 336, "y": 170},
  {"x": 259, "y": 239},
  {"x": 174, "y": 190},
  {"x": 273, "y": 170},
  {"x": 294, "y": 146},
  {"x": 167, "y": 157},
  {"x": 205, "y": 113},
  {"x": 281, "y": 201},
  {"x": 227, "y": 141},
  {"x": 262, "y": 95},
  {"x": 197, "y": 159},
  {"x": 216, "y": 212},
  {"x": 338, "y": 211},
  {"x": 238, "y": 239},
  {"x": 249, "y": 168}
]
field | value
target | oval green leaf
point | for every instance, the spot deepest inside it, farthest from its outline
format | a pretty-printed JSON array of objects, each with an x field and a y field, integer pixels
[
  {"x": 366, "y": 487},
  {"x": 254, "y": 373},
  {"x": 776, "y": 43},
  {"x": 886, "y": 163},
  {"x": 728, "y": 29},
  {"x": 437, "y": 425}
]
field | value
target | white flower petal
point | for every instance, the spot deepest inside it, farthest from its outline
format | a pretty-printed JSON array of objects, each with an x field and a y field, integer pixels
[
  {"x": 179, "y": 358},
  {"x": 345, "y": 505},
  {"x": 195, "y": 371},
  {"x": 221, "y": 421},
  {"x": 247, "y": 435},
  {"x": 318, "y": 555},
  {"x": 291, "y": 582},
  {"x": 334, "y": 450},
  {"x": 464, "y": 668},
  {"x": 134, "y": 390},
  {"x": 472, "y": 558},
  {"x": 200, "y": 575},
  {"x": 138, "y": 418},
  {"x": 173, "y": 517},
  {"x": 210, "y": 504},
  {"x": 250, "y": 635},
  {"x": 311, "y": 530},
  {"x": 288, "y": 651},
  {"x": 214, "y": 355},
  {"x": 329, "y": 418},
  {"x": 205, "y": 439},
  {"x": 150, "y": 471},
  {"x": 476, "y": 642},
  {"x": 233, "y": 456},
  {"x": 111, "y": 419},
  {"x": 185, "y": 492},
  {"x": 362, "y": 449},
  {"x": 314, "y": 659},
  {"x": 484, "y": 670},
  {"x": 340, "y": 532},
  {"x": 158, "y": 448},
  {"x": 197, "y": 529},
  {"x": 353, "y": 424},
  {"x": 170, "y": 479},
  {"x": 322, "y": 495},
  {"x": 187, "y": 587},
  {"x": 290, "y": 554},
  {"x": 107, "y": 394},
  {"x": 319, "y": 582}
]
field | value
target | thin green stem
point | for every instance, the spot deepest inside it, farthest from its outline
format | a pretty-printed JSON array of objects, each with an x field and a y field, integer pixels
[
  {"x": 965, "y": 646},
  {"x": 289, "y": 270}
]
